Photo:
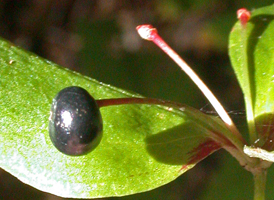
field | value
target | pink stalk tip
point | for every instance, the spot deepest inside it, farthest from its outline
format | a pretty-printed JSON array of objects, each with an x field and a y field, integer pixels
[
  {"x": 243, "y": 15},
  {"x": 146, "y": 31}
]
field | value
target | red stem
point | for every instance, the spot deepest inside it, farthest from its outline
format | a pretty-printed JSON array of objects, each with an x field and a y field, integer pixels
[
  {"x": 121, "y": 101},
  {"x": 148, "y": 32}
]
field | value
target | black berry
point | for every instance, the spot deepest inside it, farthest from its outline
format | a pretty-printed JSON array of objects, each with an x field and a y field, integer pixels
[{"x": 75, "y": 124}]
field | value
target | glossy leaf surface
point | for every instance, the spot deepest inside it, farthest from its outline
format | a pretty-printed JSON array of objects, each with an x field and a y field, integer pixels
[
  {"x": 251, "y": 48},
  {"x": 143, "y": 146}
]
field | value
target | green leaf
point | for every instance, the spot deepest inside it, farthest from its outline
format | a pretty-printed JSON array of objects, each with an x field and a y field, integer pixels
[
  {"x": 143, "y": 146},
  {"x": 251, "y": 50}
]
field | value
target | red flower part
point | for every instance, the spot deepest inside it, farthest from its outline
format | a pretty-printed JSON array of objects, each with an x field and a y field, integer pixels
[
  {"x": 243, "y": 15},
  {"x": 147, "y": 31}
]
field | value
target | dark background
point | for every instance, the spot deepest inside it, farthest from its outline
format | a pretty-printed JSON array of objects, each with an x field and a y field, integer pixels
[{"x": 98, "y": 38}]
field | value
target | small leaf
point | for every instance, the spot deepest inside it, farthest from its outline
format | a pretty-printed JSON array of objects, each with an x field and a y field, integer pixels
[
  {"x": 143, "y": 146},
  {"x": 251, "y": 49}
]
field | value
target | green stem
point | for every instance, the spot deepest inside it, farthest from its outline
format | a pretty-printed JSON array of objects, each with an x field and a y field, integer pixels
[
  {"x": 259, "y": 184},
  {"x": 248, "y": 88}
]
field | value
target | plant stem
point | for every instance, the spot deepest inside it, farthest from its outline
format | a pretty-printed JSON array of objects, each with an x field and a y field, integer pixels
[
  {"x": 259, "y": 184},
  {"x": 136, "y": 100},
  {"x": 234, "y": 147},
  {"x": 248, "y": 91},
  {"x": 149, "y": 33},
  {"x": 244, "y": 16}
]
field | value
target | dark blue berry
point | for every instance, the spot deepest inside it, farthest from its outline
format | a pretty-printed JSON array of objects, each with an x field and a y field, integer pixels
[{"x": 75, "y": 125}]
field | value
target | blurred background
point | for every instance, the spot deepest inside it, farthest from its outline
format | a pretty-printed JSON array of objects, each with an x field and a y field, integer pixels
[{"x": 98, "y": 39}]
